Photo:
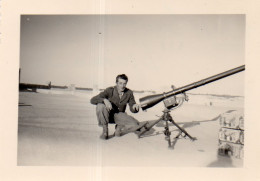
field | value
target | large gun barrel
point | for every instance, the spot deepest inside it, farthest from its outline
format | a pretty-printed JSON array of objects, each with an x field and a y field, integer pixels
[{"x": 150, "y": 101}]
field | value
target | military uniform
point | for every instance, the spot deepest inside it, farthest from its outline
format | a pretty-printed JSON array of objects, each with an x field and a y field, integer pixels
[{"x": 117, "y": 114}]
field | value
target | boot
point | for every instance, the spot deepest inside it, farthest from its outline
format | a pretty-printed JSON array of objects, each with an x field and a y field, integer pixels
[
  {"x": 104, "y": 135},
  {"x": 118, "y": 130}
]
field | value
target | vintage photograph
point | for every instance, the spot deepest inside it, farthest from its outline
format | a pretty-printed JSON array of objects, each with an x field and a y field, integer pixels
[{"x": 164, "y": 90}]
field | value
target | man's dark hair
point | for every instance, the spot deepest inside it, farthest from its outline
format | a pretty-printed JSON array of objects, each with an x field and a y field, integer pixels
[{"x": 122, "y": 76}]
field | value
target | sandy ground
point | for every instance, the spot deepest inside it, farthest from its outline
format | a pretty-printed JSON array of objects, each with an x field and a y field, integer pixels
[{"x": 62, "y": 130}]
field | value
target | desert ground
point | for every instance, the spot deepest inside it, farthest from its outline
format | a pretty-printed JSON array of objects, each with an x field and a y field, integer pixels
[{"x": 59, "y": 128}]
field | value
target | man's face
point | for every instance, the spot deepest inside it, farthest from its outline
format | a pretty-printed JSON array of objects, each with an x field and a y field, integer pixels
[{"x": 121, "y": 84}]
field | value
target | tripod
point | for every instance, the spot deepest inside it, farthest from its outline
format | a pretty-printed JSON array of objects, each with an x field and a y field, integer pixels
[{"x": 168, "y": 118}]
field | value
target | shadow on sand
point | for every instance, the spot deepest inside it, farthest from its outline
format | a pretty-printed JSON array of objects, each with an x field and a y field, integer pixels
[
  {"x": 179, "y": 135},
  {"x": 185, "y": 125},
  {"x": 222, "y": 161}
]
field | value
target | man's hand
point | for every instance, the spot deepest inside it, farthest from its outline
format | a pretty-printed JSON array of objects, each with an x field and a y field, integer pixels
[
  {"x": 136, "y": 107},
  {"x": 108, "y": 104}
]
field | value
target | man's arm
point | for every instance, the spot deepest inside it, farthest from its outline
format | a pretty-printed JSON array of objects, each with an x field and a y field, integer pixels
[
  {"x": 100, "y": 97},
  {"x": 134, "y": 108}
]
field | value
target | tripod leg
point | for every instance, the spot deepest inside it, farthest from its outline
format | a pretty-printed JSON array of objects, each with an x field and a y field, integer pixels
[
  {"x": 178, "y": 134},
  {"x": 147, "y": 127},
  {"x": 167, "y": 134},
  {"x": 182, "y": 130}
]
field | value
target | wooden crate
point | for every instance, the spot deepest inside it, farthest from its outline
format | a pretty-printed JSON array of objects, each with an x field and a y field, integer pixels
[
  {"x": 232, "y": 119},
  {"x": 231, "y": 135},
  {"x": 231, "y": 149}
]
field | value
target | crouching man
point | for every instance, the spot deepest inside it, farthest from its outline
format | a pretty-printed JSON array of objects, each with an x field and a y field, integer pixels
[{"x": 111, "y": 105}]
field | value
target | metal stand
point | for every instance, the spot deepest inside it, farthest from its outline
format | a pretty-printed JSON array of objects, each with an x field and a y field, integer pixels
[
  {"x": 167, "y": 118},
  {"x": 170, "y": 104}
]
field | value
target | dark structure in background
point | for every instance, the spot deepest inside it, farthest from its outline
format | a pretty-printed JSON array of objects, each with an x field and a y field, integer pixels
[
  {"x": 25, "y": 87},
  {"x": 34, "y": 87}
]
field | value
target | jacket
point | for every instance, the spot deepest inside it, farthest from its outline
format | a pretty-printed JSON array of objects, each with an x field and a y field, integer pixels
[{"x": 118, "y": 105}]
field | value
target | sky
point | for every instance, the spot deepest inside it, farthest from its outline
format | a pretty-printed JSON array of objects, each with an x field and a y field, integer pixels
[{"x": 154, "y": 51}]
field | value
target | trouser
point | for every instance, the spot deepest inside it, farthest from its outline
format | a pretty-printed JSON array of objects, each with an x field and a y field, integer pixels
[{"x": 121, "y": 119}]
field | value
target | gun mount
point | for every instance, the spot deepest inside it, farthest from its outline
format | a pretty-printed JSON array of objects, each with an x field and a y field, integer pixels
[{"x": 171, "y": 102}]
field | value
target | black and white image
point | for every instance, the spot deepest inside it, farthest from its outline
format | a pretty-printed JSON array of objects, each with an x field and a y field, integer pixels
[{"x": 157, "y": 71}]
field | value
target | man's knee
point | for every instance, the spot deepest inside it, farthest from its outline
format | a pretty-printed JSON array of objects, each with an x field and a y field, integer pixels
[{"x": 101, "y": 108}]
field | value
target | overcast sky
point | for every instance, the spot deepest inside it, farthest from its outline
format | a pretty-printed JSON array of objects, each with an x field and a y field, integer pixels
[{"x": 154, "y": 51}]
